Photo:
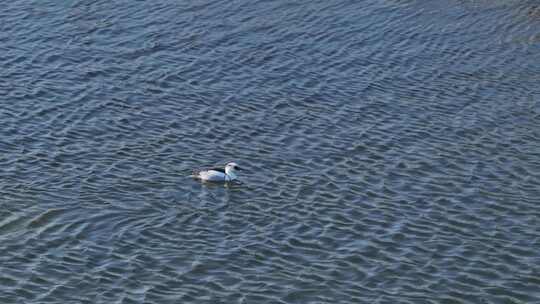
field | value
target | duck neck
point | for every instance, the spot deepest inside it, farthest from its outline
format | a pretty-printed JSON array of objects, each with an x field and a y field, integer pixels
[{"x": 230, "y": 174}]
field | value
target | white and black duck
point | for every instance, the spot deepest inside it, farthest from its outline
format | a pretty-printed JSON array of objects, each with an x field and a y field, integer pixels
[{"x": 226, "y": 174}]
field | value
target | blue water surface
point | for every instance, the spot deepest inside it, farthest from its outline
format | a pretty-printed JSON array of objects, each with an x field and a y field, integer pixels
[{"x": 391, "y": 148}]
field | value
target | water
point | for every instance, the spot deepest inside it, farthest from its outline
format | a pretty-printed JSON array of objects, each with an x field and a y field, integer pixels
[{"x": 392, "y": 151}]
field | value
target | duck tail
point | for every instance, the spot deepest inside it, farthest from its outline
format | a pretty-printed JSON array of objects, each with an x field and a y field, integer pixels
[{"x": 195, "y": 174}]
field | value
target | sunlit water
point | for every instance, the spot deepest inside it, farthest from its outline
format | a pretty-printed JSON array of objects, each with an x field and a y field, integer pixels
[{"x": 392, "y": 151}]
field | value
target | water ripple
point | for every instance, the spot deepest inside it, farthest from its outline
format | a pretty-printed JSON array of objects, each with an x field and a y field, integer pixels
[{"x": 390, "y": 151}]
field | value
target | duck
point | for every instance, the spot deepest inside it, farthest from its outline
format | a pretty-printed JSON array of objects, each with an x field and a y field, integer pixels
[{"x": 226, "y": 174}]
